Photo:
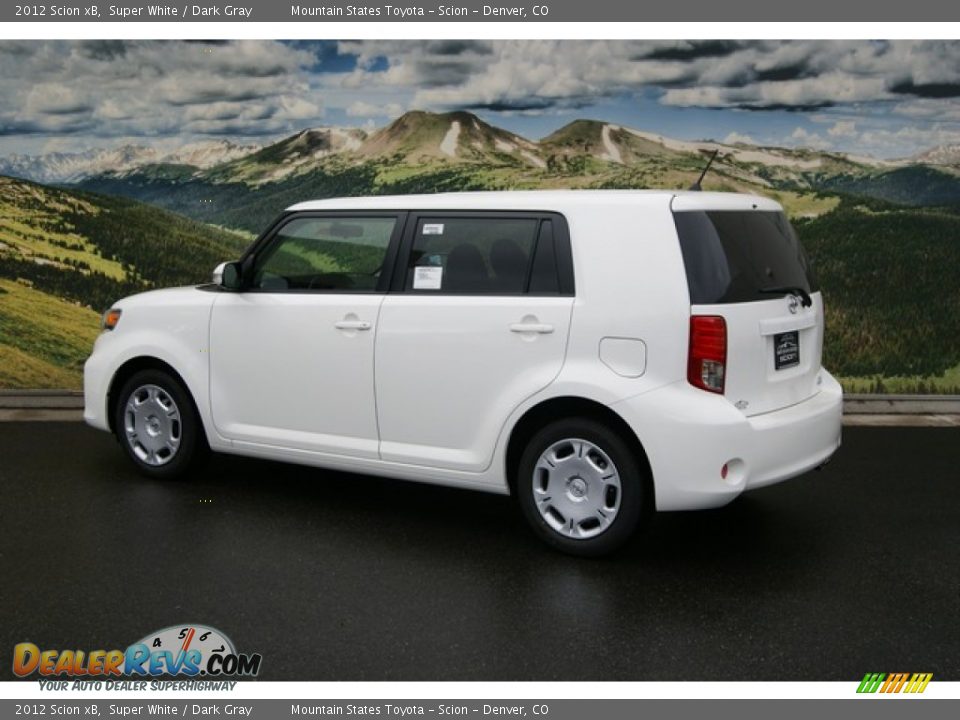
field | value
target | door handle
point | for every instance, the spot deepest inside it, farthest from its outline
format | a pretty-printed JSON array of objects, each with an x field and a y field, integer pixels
[
  {"x": 352, "y": 325},
  {"x": 526, "y": 327}
]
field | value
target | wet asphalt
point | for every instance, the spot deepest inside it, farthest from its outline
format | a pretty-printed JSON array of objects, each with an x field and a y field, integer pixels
[{"x": 344, "y": 577}]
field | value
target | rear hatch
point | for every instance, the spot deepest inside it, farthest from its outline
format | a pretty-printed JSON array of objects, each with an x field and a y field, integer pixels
[{"x": 744, "y": 263}]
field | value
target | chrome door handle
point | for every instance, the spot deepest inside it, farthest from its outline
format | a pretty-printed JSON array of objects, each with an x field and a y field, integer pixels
[
  {"x": 352, "y": 325},
  {"x": 524, "y": 327}
]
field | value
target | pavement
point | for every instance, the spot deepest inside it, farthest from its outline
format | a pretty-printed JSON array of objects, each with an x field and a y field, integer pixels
[{"x": 345, "y": 577}]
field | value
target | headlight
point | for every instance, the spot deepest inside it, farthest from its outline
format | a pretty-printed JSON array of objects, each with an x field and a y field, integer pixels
[{"x": 110, "y": 318}]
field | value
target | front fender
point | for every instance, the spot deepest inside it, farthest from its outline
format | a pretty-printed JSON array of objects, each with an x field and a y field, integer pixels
[{"x": 177, "y": 336}]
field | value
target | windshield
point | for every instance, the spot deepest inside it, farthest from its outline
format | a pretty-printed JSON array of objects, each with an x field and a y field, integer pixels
[{"x": 733, "y": 256}]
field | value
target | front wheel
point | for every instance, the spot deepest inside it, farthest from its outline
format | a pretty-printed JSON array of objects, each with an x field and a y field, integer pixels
[
  {"x": 157, "y": 425},
  {"x": 580, "y": 487}
]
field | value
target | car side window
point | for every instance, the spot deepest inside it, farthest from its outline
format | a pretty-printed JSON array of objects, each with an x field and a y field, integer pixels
[
  {"x": 472, "y": 256},
  {"x": 343, "y": 254},
  {"x": 544, "y": 275}
]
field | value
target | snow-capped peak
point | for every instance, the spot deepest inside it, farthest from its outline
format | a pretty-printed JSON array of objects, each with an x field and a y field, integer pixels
[{"x": 940, "y": 155}]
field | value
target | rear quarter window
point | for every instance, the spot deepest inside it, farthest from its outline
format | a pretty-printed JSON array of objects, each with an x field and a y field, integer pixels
[{"x": 731, "y": 256}]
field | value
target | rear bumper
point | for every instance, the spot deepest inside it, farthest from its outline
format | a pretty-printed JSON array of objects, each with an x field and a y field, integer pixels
[{"x": 689, "y": 435}]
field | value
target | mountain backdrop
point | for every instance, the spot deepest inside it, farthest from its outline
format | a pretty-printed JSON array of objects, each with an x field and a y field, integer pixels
[{"x": 884, "y": 235}]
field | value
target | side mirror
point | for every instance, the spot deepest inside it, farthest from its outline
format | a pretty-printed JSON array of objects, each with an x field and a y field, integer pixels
[{"x": 227, "y": 275}]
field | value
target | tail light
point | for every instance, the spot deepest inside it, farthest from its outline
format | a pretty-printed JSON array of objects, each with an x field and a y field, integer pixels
[{"x": 707, "y": 360}]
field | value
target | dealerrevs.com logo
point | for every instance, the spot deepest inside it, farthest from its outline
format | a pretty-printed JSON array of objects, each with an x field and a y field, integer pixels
[
  {"x": 887, "y": 683},
  {"x": 184, "y": 650}
]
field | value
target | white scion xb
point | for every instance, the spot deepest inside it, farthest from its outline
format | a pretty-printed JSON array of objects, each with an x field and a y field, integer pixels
[{"x": 596, "y": 354}]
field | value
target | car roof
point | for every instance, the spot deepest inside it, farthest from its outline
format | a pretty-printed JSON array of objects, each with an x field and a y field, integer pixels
[{"x": 550, "y": 200}]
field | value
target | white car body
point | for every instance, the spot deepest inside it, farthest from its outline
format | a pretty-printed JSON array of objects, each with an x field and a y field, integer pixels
[{"x": 431, "y": 387}]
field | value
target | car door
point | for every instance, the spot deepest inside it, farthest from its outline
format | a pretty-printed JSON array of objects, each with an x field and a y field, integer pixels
[
  {"x": 477, "y": 321},
  {"x": 291, "y": 355}
]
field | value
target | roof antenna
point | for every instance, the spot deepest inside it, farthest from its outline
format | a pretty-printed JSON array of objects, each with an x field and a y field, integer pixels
[{"x": 696, "y": 185}]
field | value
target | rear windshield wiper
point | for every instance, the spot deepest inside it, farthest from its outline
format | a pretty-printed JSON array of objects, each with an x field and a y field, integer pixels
[{"x": 804, "y": 296}]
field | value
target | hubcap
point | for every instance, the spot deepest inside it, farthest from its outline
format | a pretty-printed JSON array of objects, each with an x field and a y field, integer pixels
[
  {"x": 151, "y": 424},
  {"x": 576, "y": 488}
]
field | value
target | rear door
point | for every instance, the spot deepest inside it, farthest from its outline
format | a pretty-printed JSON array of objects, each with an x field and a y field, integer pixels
[
  {"x": 476, "y": 322},
  {"x": 748, "y": 266}
]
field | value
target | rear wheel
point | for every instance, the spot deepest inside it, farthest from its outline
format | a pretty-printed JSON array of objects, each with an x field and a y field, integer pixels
[
  {"x": 580, "y": 487},
  {"x": 157, "y": 425}
]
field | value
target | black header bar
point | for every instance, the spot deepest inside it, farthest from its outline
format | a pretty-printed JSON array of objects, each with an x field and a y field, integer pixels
[{"x": 573, "y": 11}]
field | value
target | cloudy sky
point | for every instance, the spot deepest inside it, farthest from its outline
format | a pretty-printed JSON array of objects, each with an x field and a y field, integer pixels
[{"x": 887, "y": 99}]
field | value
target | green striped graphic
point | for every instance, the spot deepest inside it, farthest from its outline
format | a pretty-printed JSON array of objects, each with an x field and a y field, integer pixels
[{"x": 871, "y": 682}]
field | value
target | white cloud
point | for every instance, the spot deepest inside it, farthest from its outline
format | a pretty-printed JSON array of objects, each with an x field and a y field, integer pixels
[
  {"x": 297, "y": 108},
  {"x": 843, "y": 129},
  {"x": 363, "y": 109},
  {"x": 55, "y": 99},
  {"x": 941, "y": 110},
  {"x": 110, "y": 109},
  {"x": 734, "y": 137},
  {"x": 907, "y": 140},
  {"x": 827, "y": 89},
  {"x": 154, "y": 88},
  {"x": 803, "y": 138},
  {"x": 796, "y": 74}
]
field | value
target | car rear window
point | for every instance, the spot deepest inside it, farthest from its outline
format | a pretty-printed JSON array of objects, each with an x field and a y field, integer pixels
[{"x": 731, "y": 256}]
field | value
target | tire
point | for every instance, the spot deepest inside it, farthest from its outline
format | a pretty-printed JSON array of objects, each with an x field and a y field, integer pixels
[
  {"x": 157, "y": 425},
  {"x": 581, "y": 487}
]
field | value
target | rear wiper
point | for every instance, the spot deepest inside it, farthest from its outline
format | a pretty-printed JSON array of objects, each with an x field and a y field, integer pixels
[{"x": 804, "y": 296}]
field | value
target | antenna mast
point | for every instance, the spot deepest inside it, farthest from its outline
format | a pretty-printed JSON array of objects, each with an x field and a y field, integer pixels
[{"x": 696, "y": 185}]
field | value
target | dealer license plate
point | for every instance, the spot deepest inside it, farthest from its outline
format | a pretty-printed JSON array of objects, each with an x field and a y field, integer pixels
[{"x": 786, "y": 350}]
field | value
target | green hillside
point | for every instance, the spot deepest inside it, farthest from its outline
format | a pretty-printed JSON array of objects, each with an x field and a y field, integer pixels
[
  {"x": 44, "y": 340},
  {"x": 889, "y": 279},
  {"x": 235, "y": 204},
  {"x": 914, "y": 185},
  {"x": 66, "y": 256}
]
